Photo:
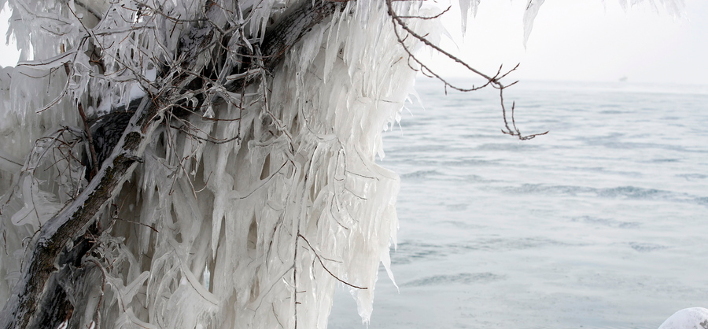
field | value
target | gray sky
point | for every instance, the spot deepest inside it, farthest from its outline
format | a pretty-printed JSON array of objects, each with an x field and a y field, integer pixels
[
  {"x": 589, "y": 40},
  {"x": 579, "y": 40}
]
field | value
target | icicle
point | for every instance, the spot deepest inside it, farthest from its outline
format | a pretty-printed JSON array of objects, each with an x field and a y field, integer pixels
[
  {"x": 467, "y": 7},
  {"x": 529, "y": 15}
]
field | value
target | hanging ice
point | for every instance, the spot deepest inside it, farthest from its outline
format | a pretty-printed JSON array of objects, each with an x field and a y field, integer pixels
[
  {"x": 529, "y": 16},
  {"x": 247, "y": 215}
]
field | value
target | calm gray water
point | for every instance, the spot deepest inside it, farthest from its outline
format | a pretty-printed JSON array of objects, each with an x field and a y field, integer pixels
[{"x": 603, "y": 223}]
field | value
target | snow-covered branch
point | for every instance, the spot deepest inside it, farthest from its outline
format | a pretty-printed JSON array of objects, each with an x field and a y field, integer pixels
[{"x": 42, "y": 260}]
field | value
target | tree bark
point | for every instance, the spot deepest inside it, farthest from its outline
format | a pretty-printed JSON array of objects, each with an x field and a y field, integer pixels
[{"x": 281, "y": 37}]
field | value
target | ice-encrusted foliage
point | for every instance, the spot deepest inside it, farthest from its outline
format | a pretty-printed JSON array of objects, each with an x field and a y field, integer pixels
[{"x": 246, "y": 213}]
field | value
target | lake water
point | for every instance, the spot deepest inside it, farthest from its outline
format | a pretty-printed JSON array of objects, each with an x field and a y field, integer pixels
[{"x": 602, "y": 223}]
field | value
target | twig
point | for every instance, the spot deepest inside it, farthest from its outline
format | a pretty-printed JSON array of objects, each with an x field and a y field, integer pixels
[
  {"x": 325, "y": 267},
  {"x": 494, "y": 81}
]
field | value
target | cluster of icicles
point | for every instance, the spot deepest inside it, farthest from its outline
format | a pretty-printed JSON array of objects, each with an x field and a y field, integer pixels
[{"x": 256, "y": 230}]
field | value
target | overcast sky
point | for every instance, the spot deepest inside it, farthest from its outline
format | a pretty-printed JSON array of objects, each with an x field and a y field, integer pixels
[
  {"x": 579, "y": 40},
  {"x": 590, "y": 40}
]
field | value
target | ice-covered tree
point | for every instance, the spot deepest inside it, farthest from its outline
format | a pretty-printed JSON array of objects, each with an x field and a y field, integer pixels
[{"x": 202, "y": 163}]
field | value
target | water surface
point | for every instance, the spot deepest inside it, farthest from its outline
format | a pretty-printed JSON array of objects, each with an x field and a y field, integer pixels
[{"x": 602, "y": 223}]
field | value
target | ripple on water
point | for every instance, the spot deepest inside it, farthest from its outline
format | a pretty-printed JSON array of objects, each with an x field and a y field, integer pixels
[
  {"x": 459, "y": 278},
  {"x": 620, "y": 192},
  {"x": 646, "y": 247},
  {"x": 407, "y": 252},
  {"x": 420, "y": 174},
  {"x": 702, "y": 201},
  {"x": 693, "y": 176},
  {"x": 456, "y": 207},
  {"x": 609, "y": 222}
]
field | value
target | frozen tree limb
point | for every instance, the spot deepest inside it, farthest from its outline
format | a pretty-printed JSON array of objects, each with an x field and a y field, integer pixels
[{"x": 41, "y": 261}]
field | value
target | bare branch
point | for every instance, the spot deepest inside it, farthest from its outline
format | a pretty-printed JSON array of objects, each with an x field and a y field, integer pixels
[
  {"x": 314, "y": 252},
  {"x": 494, "y": 81}
]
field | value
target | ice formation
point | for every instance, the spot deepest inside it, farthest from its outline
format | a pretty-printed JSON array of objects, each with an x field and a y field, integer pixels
[
  {"x": 529, "y": 16},
  {"x": 247, "y": 215},
  {"x": 687, "y": 318},
  {"x": 245, "y": 211}
]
